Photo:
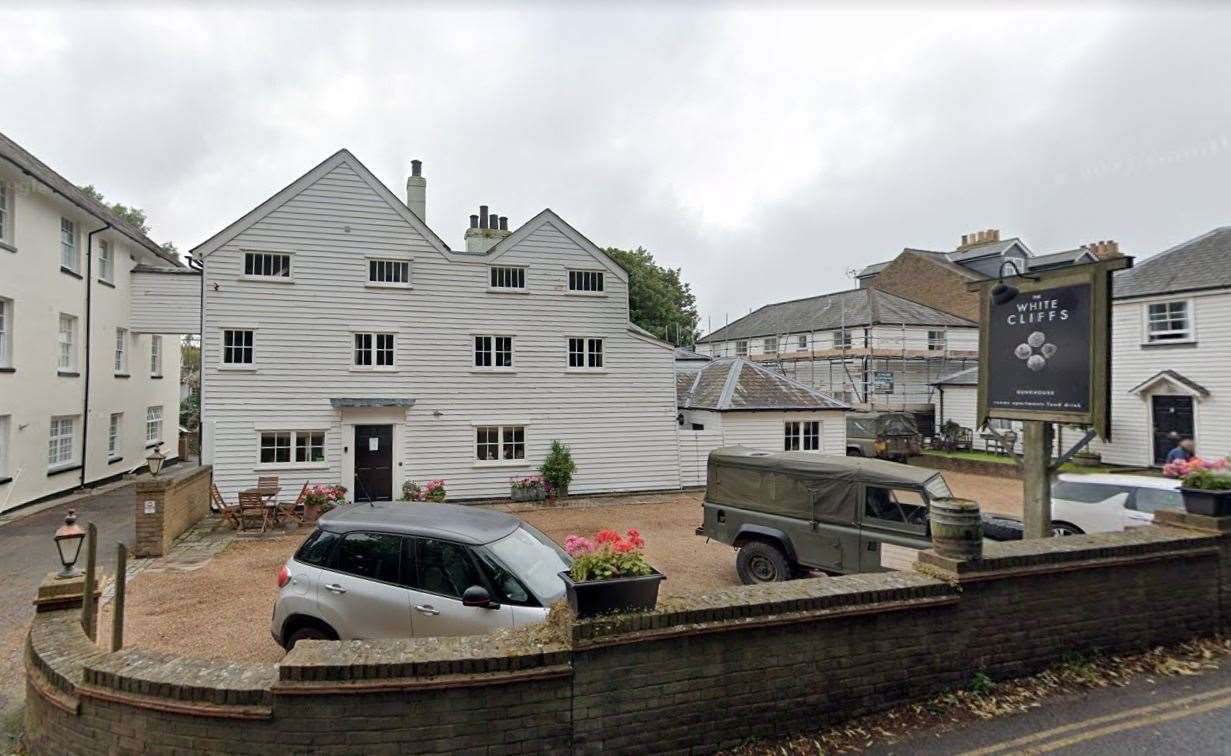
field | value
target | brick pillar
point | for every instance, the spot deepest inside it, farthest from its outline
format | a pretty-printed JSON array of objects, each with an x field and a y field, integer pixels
[{"x": 151, "y": 505}]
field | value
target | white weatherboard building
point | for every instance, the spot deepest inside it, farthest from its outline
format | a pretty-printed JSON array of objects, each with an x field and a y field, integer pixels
[
  {"x": 85, "y": 391},
  {"x": 344, "y": 342}
]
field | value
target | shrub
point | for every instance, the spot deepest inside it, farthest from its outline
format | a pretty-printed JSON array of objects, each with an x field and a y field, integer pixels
[
  {"x": 558, "y": 468},
  {"x": 1208, "y": 480},
  {"x": 325, "y": 497},
  {"x": 607, "y": 556},
  {"x": 433, "y": 490}
]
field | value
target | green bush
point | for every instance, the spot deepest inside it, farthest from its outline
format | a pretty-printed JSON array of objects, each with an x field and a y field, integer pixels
[
  {"x": 559, "y": 467},
  {"x": 1208, "y": 480}
]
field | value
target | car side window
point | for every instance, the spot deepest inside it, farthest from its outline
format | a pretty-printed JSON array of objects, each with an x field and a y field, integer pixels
[
  {"x": 1153, "y": 499},
  {"x": 444, "y": 568},
  {"x": 1086, "y": 493},
  {"x": 375, "y": 556},
  {"x": 508, "y": 588},
  {"x": 317, "y": 549},
  {"x": 901, "y": 506}
]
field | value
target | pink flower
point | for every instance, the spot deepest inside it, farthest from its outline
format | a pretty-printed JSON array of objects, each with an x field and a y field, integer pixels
[{"x": 577, "y": 546}]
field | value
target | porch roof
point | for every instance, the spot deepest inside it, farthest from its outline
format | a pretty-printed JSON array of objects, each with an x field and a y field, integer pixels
[
  {"x": 1174, "y": 378},
  {"x": 348, "y": 402}
]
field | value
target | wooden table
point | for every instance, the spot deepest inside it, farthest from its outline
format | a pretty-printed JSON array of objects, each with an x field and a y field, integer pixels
[{"x": 269, "y": 504}]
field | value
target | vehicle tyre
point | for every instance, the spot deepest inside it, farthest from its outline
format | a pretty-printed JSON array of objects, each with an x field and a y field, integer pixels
[
  {"x": 1059, "y": 528},
  {"x": 308, "y": 632},
  {"x": 854, "y": 453},
  {"x": 1002, "y": 529},
  {"x": 760, "y": 562}
]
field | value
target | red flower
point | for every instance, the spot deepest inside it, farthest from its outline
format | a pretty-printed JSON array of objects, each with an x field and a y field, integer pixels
[
  {"x": 607, "y": 536},
  {"x": 622, "y": 547}
]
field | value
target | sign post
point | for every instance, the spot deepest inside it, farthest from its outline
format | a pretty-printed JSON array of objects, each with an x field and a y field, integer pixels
[{"x": 1044, "y": 358}]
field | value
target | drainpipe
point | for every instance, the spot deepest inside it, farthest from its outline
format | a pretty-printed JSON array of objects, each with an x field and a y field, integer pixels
[
  {"x": 85, "y": 410},
  {"x": 199, "y": 264}
]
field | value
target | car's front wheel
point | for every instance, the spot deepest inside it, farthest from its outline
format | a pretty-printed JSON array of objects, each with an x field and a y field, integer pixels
[{"x": 760, "y": 562}]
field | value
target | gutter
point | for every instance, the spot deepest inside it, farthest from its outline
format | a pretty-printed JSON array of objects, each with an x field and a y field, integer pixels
[
  {"x": 89, "y": 290},
  {"x": 198, "y": 264}
]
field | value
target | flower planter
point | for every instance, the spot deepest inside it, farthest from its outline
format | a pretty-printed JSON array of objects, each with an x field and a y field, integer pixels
[
  {"x": 311, "y": 512},
  {"x": 625, "y": 594},
  {"x": 528, "y": 493},
  {"x": 1209, "y": 503}
]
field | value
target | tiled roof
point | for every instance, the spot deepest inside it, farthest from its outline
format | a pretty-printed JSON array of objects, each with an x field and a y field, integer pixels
[
  {"x": 733, "y": 383},
  {"x": 967, "y": 377},
  {"x": 684, "y": 353},
  {"x": 1200, "y": 263}
]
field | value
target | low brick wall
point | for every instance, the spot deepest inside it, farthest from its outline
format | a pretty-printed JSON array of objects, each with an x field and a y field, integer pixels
[
  {"x": 696, "y": 675},
  {"x": 168, "y": 505},
  {"x": 1004, "y": 469}
]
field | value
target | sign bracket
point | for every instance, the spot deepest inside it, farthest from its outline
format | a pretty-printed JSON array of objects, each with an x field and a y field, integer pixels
[{"x": 1082, "y": 443}]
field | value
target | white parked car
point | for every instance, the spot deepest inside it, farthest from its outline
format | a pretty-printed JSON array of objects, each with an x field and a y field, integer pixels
[{"x": 1099, "y": 503}]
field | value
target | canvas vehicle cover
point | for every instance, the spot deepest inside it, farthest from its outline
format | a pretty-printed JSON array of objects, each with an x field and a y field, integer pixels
[
  {"x": 792, "y": 483},
  {"x": 873, "y": 424}
]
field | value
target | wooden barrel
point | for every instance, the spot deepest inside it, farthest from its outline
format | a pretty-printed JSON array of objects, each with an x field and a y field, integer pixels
[{"x": 957, "y": 529}]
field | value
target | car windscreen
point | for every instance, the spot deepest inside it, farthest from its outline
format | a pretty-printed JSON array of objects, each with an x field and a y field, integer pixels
[
  {"x": 898, "y": 425},
  {"x": 937, "y": 488},
  {"x": 535, "y": 560}
]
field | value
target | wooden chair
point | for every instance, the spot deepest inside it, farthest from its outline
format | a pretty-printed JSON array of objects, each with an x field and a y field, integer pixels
[
  {"x": 268, "y": 486},
  {"x": 219, "y": 506},
  {"x": 294, "y": 510},
  {"x": 252, "y": 509}
]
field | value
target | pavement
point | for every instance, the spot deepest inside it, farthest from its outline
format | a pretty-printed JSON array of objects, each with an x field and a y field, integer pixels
[{"x": 1151, "y": 715}]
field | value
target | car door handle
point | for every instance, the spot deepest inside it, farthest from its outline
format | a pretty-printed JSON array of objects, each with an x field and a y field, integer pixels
[
  {"x": 427, "y": 609},
  {"x": 334, "y": 588}
]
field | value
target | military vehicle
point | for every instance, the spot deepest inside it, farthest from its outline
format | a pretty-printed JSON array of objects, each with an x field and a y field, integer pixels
[{"x": 883, "y": 435}]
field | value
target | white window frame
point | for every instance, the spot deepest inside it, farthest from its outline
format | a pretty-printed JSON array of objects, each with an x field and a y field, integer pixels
[
  {"x": 801, "y": 435},
  {"x": 801, "y": 343},
  {"x": 842, "y": 339},
  {"x": 70, "y": 246},
  {"x": 154, "y": 425},
  {"x": 155, "y": 355},
  {"x": 6, "y": 423},
  {"x": 121, "y": 351},
  {"x": 115, "y": 436},
  {"x": 767, "y": 343},
  {"x": 741, "y": 347},
  {"x": 592, "y": 359},
  {"x": 937, "y": 340},
  {"x": 587, "y": 282},
  {"x": 507, "y": 279},
  {"x": 8, "y": 208},
  {"x": 106, "y": 261},
  {"x": 6, "y": 332},
  {"x": 1186, "y": 336},
  {"x": 61, "y": 446},
  {"x": 222, "y": 348},
  {"x": 374, "y": 350},
  {"x": 260, "y": 257},
  {"x": 298, "y": 441},
  {"x": 66, "y": 344},
  {"x": 383, "y": 266},
  {"x": 504, "y": 446},
  {"x": 490, "y": 350}
]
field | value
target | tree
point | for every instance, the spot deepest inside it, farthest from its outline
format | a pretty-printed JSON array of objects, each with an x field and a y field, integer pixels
[
  {"x": 134, "y": 215},
  {"x": 658, "y": 299}
]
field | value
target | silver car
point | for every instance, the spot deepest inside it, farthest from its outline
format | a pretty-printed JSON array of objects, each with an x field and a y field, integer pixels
[{"x": 397, "y": 570}]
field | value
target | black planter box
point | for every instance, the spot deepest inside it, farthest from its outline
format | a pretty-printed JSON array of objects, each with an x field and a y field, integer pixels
[
  {"x": 1208, "y": 503},
  {"x": 626, "y": 594}
]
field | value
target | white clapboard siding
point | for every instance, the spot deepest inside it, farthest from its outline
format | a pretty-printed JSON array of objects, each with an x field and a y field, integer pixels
[
  {"x": 619, "y": 423},
  {"x": 765, "y": 430},
  {"x": 166, "y": 301},
  {"x": 695, "y": 448}
]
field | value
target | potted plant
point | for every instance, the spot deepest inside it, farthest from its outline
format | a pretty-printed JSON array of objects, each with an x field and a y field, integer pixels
[
  {"x": 433, "y": 490},
  {"x": 1205, "y": 484},
  {"x": 557, "y": 469},
  {"x": 609, "y": 574},
  {"x": 317, "y": 500},
  {"x": 529, "y": 488}
]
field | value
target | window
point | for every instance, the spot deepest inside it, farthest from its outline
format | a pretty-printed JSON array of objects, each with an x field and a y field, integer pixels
[
  {"x": 267, "y": 264},
  {"x": 6, "y": 213},
  {"x": 374, "y": 350},
  {"x": 585, "y": 280},
  {"x": 236, "y": 347},
  {"x": 936, "y": 341},
  {"x": 6, "y": 333},
  {"x": 508, "y": 278},
  {"x": 389, "y": 272},
  {"x": 741, "y": 348},
  {"x": 842, "y": 339},
  {"x": 106, "y": 261},
  {"x": 1145, "y": 500},
  {"x": 493, "y": 351},
  {"x": 70, "y": 256},
  {"x": 1087, "y": 493},
  {"x": 500, "y": 443},
  {"x": 66, "y": 355},
  {"x": 121, "y": 351},
  {"x": 906, "y": 509},
  {"x": 153, "y": 425},
  {"x": 280, "y": 447},
  {"x": 60, "y": 441},
  {"x": 1168, "y": 321},
  {"x": 803, "y": 342},
  {"x": 4, "y": 446},
  {"x": 375, "y": 556},
  {"x": 317, "y": 548},
  {"x": 444, "y": 568},
  {"x": 769, "y": 345},
  {"x": 585, "y": 353},
  {"x": 802, "y": 435},
  {"x": 114, "y": 438},
  {"x": 155, "y": 356}
]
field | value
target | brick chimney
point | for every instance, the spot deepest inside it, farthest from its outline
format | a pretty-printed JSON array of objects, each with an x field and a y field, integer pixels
[
  {"x": 976, "y": 238},
  {"x": 486, "y": 230},
  {"x": 1103, "y": 250},
  {"x": 416, "y": 191}
]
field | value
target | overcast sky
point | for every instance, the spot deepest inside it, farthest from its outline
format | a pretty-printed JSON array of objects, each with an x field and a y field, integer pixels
[{"x": 766, "y": 152}]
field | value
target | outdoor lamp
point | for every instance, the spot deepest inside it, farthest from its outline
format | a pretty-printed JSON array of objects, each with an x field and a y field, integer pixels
[
  {"x": 68, "y": 542},
  {"x": 1003, "y": 292},
  {"x": 155, "y": 460}
]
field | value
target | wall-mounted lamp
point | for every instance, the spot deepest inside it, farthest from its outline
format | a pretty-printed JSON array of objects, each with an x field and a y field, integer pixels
[{"x": 1002, "y": 292}]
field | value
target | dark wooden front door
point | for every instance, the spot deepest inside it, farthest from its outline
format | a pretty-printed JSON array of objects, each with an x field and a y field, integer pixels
[
  {"x": 373, "y": 463},
  {"x": 1173, "y": 420}
]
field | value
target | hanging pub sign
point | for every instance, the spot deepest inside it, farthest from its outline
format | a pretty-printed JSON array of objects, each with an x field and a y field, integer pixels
[{"x": 1045, "y": 346}]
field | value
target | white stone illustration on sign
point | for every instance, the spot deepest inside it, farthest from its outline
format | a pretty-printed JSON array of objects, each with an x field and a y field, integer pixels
[{"x": 1036, "y": 351}]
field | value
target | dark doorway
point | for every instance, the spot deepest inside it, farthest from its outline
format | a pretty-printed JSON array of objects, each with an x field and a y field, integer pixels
[
  {"x": 373, "y": 463},
  {"x": 1173, "y": 420}
]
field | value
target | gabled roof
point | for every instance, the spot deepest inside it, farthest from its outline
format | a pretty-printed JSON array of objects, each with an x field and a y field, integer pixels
[
  {"x": 1175, "y": 379},
  {"x": 1066, "y": 257},
  {"x": 17, "y": 155},
  {"x": 987, "y": 249},
  {"x": 732, "y": 384},
  {"x": 827, "y": 312},
  {"x": 549, "y": 217},
  {"x": 966, "y": 377},
  {"x": 1200, "y": 263}
]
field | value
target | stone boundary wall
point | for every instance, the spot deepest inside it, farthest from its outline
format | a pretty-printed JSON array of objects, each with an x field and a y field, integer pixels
[
  {"x": 696, "y": 675},
  {"x": 180, "y": 500}
]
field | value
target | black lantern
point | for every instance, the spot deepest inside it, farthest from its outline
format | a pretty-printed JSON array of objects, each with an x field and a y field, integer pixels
[
  {"x": 155, "y": 460},
  {"x": 68, "y": 542},
  {"x": 1003, "y": 293}
]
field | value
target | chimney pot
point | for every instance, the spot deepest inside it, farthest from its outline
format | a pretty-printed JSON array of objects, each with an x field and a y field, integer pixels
[
  {"x": 474, "y": 221},
  {"x": 504, "y": 223},
  {"x": 416, "y": 167},
  {"x": 482, "y": 216},
  {"x": 491, "y": 221},
  {"x": 416, "y": 190}
]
